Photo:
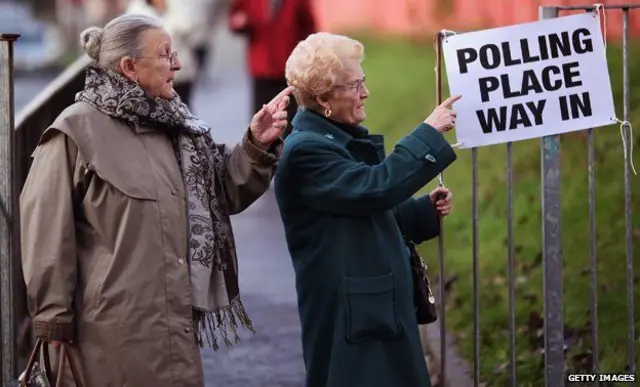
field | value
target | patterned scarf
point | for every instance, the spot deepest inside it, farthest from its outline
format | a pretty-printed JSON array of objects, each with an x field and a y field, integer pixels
[{"x": 217, "y": 308}]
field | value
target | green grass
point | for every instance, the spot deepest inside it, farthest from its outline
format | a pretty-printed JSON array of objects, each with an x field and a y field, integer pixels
[{"x": 400, "y": 77}]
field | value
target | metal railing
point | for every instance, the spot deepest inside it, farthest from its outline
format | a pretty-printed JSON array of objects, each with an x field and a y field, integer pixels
[
  {"x": 551, "y": 195},
  {"x": 552, "y": 228},
  {"x": 9, "y": 242}
]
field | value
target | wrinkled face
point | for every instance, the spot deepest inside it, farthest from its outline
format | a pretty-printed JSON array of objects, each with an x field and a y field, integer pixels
[
  {"x": 154, "y": 68},
  {"x": 346, "y": 100}
]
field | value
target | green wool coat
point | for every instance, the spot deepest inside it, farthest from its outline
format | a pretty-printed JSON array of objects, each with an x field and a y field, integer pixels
[{"x": 345, "y": 207}]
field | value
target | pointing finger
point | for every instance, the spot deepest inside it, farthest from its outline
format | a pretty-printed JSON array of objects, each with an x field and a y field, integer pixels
[
  {"x": 280, "y": 115},
  {"x": 284, "y": 93},
  {"x": 282, "y": 105},
  {"x": 449, "y": 101},
  {"x": 261, "y": 112}
]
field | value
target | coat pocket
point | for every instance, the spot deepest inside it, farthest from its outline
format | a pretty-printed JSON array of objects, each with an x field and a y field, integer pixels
[{"x": 371, "y": 308}]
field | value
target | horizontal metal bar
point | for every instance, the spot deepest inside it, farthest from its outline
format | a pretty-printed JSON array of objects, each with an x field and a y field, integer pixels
[
  {"x": 591, "y": 6},
  {"x": 7, "y": 37}
]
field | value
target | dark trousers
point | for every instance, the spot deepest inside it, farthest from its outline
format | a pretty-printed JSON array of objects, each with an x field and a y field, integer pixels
[
  {"x": 264, "y": 90},
  {"x": 202, "y": 54},
  {"x": 184, "y": 91}
]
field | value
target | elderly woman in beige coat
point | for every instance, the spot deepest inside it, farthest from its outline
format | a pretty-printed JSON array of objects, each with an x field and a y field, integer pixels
[{"x": 127, "y": 245}]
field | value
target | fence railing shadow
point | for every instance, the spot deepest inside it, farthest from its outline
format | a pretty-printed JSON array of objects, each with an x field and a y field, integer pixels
[{"x": 43, "y": 110}]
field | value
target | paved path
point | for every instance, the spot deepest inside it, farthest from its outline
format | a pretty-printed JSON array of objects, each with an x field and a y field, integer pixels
[{"x": 272, "y": 357}]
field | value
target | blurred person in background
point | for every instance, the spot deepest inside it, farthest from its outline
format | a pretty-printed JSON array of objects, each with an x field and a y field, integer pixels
[
  {"x": 272, "y": 28},
  {"x": 347, "y": 207},
  {"x": 175, "y": 19},
  {"x": 71, "y": 18},
  {"x": 192, "y": 23},
  {"x": 203, "y": 17},
  {"x": 155, "y": 8},
  {"x": 99, "y": 12},
  {"x": 128, "y": 251}
]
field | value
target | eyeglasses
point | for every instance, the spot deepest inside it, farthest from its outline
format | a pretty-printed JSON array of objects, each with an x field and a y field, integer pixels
[
  {"x": 172, "y": 58},
  {"x": 358, "y": 85}
]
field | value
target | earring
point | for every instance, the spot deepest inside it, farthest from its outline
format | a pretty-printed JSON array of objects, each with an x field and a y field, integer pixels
[{"x": 327, "y": 112}]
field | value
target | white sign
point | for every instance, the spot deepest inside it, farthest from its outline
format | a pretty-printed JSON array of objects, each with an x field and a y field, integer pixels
[{"x": 529, "y": 80}]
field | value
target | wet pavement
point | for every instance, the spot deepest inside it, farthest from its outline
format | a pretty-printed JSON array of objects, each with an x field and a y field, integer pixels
[{"x": 273, "y": 356}]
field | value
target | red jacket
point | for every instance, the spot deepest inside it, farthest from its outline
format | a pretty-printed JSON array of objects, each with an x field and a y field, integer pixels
[{"x": 271, "y": 39}]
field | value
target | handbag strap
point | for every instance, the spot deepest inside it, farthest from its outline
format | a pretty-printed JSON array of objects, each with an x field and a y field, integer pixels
[
  {"x": 66, "y": 354},
  {"x": 47, "y": 362},
  {"x": 61, "y": 364},
  {"x": 73, "y": 365},
  {"x": 32, "y": 360}
]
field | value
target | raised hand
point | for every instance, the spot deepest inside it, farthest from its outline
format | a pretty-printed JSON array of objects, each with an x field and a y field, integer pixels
[
  {"x": 443, "y": 117},
  {"x": 269, "y": 122}
]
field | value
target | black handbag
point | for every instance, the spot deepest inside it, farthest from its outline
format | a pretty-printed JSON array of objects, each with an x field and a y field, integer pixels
[{"x": 423, "y": 298}]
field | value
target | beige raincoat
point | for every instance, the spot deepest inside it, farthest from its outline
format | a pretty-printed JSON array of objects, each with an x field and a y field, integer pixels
[{"x": 104, "y": 246}]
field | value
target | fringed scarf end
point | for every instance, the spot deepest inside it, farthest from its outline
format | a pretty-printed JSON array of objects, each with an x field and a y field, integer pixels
[{"x": 211, "y": 327}]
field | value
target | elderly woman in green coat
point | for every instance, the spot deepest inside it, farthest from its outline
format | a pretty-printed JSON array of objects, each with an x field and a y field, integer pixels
[{"x": 346, "y": 207}]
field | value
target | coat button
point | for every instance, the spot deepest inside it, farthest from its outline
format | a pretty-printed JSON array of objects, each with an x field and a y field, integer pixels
[
  {"x": 181, "y": 261},
  {"x": 187, "y": 330}
]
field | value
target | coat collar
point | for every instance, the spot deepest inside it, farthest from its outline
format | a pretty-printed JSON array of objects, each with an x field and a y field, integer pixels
[
  {"x": 143, "y": 129},
  {"x": 306, "y": 120}
]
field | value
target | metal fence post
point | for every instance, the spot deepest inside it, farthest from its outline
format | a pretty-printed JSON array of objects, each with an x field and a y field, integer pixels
[
  {"x": 552, "y": 250},
  {"x": 631, "y": 355},
  {"x": 8, "y": 212}
]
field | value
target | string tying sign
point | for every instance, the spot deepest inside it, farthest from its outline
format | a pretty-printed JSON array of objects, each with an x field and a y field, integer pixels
[
  {"x": 529, "y": 80},
  {"x": 627, "y": 148}
]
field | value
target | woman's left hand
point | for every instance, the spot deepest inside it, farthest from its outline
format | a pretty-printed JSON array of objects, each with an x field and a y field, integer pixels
[
  {"x": 269, "y": 122},
  {"x": 441, "y": 196}
]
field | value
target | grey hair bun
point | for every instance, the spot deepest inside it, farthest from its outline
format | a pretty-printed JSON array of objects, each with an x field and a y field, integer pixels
[{"x": 91, "y": 40}]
